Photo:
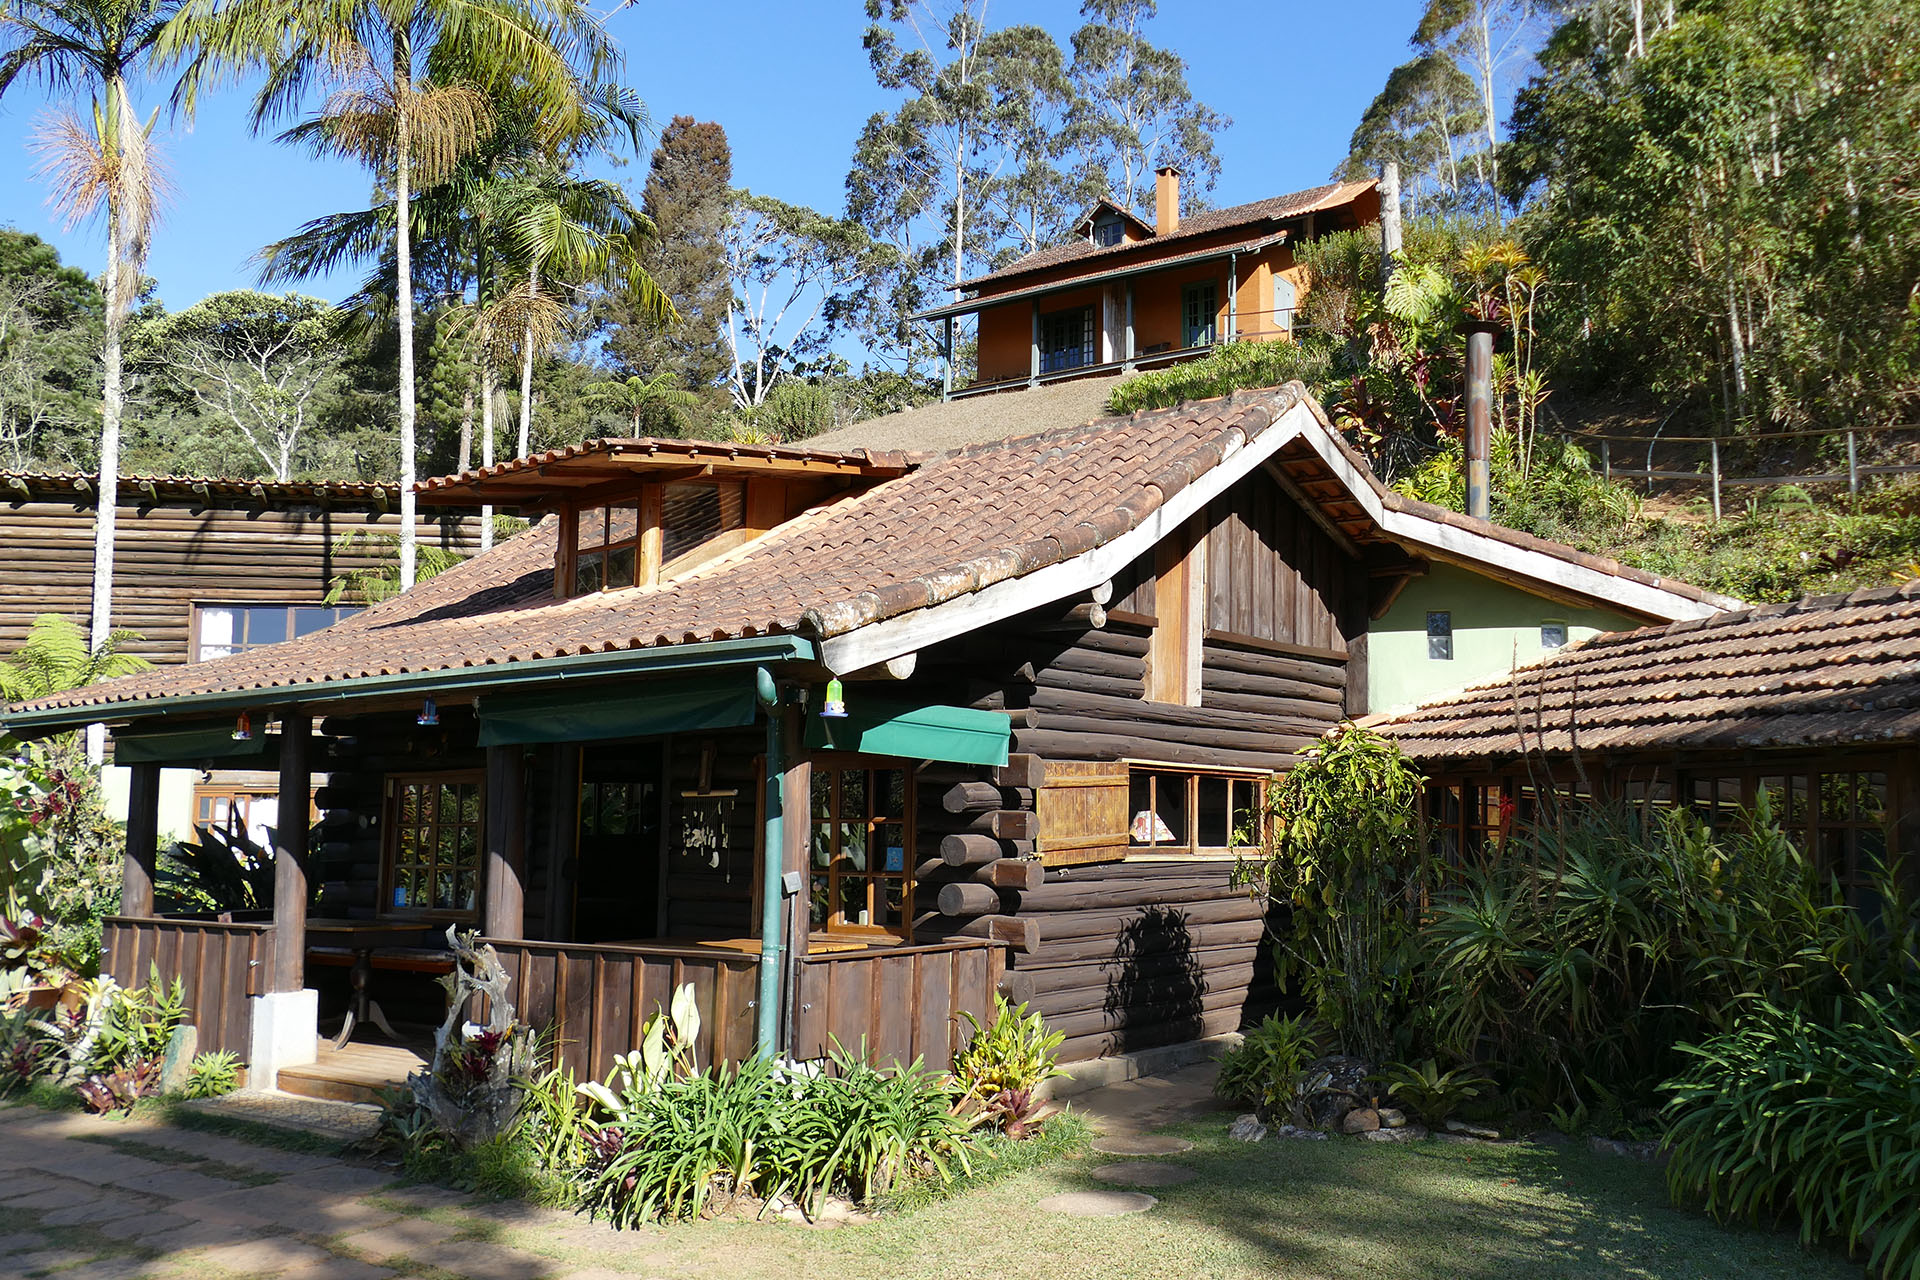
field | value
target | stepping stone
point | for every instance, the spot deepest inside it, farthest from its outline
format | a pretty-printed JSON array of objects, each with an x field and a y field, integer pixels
[
  {"x": 1140, "y": 1144},
  {"x": 1098, "y": 1204},
  {"x": 1144, "y": 1173}
]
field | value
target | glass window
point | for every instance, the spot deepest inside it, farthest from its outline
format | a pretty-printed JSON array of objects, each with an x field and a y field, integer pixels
[
  {"x": 433, "y": 846},
  {"x": 1066, "y": 340},
  {"x": 862, "y": 850},
  {"x": 1553, "y": 635},
  {"x": 223, "y": 629},
  {"x": 1187, "y": 812},
  {"x": 1108, "y": 231},
  {"x": 605, "y": 549},
  {"x": 694, "y": 512},
  {"x": 1440, "y": 634},
  {"x": 1200, "y": 308}
]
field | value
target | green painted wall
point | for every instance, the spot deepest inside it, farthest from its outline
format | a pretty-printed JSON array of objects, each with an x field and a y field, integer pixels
[{"x": 1495, "y": 628}]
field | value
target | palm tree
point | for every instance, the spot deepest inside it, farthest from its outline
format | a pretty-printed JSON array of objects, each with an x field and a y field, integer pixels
[
  {"x": 98, "y": 47},
  {"x": 634, "y": 396},
  {"x": 566, "y": 231},
  {"x": 409, "y": 86}
]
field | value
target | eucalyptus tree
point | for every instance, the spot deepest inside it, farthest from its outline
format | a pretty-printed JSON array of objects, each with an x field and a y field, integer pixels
[
  {"x": 102, "y": 162},
  {"x": 406, "y": 87}
]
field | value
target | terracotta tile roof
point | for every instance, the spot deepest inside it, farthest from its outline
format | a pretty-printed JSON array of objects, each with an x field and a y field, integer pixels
[
  {"x": 957, "y": 523},
  {"x": 78, "y": 487},
  {"x": 1819, "y": 671},
  {"x": 1205, "y": 222}
]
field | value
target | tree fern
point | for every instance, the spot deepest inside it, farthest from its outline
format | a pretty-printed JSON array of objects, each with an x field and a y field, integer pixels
[{"x": 55, "y": 658}]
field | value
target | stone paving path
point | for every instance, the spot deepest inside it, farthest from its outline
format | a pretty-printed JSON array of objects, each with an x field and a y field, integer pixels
[
  {"x": 88, "y": 1198},
  {"x": 92, "y": 1198}
]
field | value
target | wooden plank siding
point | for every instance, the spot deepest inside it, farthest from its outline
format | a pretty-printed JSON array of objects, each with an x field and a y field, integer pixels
[
  {"x": 893, "y": 1006},
  {"x": 218, "y": 965},
  {"x": 169, "y": 558}
]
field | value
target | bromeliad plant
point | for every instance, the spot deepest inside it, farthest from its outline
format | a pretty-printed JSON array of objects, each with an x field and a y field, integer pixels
[{"x": 1002, "y": 1067}]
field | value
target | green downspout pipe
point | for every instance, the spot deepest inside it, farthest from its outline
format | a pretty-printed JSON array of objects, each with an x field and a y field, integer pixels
[{"x": 773, "y": 842}]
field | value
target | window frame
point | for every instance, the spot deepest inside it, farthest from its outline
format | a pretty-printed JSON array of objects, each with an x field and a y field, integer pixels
[
  {"x": 1283, "y": 316},
  {"x": 1445, "y": 636},
  {"x": 390, "y": 845},
  {"x": 198, "y": 609},
  {"x": 648, "y": 541},
  {"x": 1191, "y": 294},
  {"x": 1187, "y": 844},
  {"x": 835, "y": 925},
  {"x": 1108, "y": 225},
  {"x": 1079, "y": 354}
]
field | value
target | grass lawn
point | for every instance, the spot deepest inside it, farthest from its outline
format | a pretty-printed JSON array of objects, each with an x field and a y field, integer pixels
[{"x": 1281, "y": 1209}]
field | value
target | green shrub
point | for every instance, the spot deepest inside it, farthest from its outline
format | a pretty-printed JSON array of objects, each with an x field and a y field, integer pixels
[
  {"x": 1820, "y": 1117},
  {"x": 1263, "y": 1068},
  {"x": 858, "y": 1131},
  {"x": 1346, "y": 852},
  {"x": 213, "y": 1075},
  {"x": 1234, "y": 367},
  {"x": 795, "y": 410},
  {"x": 1576, "y": 960}
]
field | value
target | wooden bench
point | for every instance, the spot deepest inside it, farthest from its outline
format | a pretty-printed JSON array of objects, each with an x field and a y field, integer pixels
[{"x": 394, "y": 959}]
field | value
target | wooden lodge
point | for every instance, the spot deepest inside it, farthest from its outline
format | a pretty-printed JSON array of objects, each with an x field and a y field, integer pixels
[
  {"x": 202, "y": 568},
  {"x": 848, "y": 741},
  {"x": 1126, "y": 293}
]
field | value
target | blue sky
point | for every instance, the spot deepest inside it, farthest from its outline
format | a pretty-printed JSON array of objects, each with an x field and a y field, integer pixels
[{"x": 791, "y": 85}]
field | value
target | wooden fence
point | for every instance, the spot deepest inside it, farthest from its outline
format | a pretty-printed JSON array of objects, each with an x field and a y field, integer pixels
[
  {"x": 593, "y": 999},
  {"x": 218, "y": 965},
  {"x": 901, "y": 1002}
]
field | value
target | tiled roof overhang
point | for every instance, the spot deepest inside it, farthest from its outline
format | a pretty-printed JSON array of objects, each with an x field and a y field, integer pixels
[{"x": 82, "y": 489}]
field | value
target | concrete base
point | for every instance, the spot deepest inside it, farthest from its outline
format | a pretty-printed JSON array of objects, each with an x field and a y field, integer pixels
[
  {"x": 286, "y": 1033},
  {"x": 1098, "y": 1073}
]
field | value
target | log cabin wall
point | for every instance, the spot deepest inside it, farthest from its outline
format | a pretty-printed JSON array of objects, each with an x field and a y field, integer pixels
[
  {"x": 1121, "y": 951},
  {"x": 169, "y": 557}
]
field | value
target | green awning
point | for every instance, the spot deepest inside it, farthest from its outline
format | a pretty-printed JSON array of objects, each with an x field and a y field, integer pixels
[
  {"x": 639, "y": 709},
  {"x": 958, "y": 734},
  {"x": 187, "y": 745}
]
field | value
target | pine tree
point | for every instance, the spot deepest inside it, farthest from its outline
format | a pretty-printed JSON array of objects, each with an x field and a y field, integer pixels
[{"x": 688, "y": 196}]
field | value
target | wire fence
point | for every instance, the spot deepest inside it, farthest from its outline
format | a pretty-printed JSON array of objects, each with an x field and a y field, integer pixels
[{"x": 1717, "y": 480}]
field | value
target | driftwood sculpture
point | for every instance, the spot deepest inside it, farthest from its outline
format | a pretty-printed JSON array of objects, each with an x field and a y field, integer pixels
[{"x": 469, "y": 1090}]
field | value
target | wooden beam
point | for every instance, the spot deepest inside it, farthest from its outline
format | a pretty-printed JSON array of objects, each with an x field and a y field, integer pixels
[
  {"x": 290, "y": 883},
  {"x": 652, "y": 538},
  {"x": 137, "y": 866},
  {"x": 568, "y": 539},
  {"x": 506, "y": 849}
]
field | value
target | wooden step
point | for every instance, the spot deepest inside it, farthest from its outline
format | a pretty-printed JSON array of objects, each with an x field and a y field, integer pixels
[{"x": 357, "y": 1073}]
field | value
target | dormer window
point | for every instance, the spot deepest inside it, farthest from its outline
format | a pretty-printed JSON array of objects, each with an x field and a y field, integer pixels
[
  {"x": 654, "y": 535},
  {"x": 1108, "y": 230}
]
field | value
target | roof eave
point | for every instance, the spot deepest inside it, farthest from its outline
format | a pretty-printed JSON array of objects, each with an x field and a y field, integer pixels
[{"x": 655, "y": 660}]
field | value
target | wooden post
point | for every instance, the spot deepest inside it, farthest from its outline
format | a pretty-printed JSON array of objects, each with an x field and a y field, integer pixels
[
  {"x": 652, "y": 537},
  {"x": 796, "y": 833},
  {"x": 506, "y": 852},
  {"x": 1714, "y": 447},
  {"x": 1033, "y": 373},
  {"x": 143, "y": 841},
  {"x": 290, "y": 853},
  {"x": 1853, "y": 465},
  {"x": 1233, "y": 297},
  {"x": 569, "y": 537},
  {"x": 1606, "y": 459},
  {"x": 1389, "y": 189},
  {"x": 946, "y": 359}
]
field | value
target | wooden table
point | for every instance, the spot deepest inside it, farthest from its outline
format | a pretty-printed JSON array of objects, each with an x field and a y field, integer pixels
[{"x": 363, "y": 938}]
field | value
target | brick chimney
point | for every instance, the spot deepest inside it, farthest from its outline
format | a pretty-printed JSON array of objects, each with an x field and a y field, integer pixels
[{"x": 1166, "y": 200}]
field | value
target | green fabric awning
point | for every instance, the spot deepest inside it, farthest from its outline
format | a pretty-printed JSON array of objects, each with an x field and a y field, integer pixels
[
  {"x": 637, "y": 710},
  {"x": 188, "y": 744},
  {"x": 957, "y": 734}
]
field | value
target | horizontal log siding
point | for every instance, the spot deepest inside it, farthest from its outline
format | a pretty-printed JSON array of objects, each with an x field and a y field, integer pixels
[
  {"x": 895, "y": 1006},
  {"x": 167, "y": 559},
  {"x": 1136, "y": 954},
  {"x": 594, "y": 1000},
  {"x": 218, "y": 965}
]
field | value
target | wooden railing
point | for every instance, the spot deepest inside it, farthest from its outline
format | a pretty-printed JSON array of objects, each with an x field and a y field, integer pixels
[
  {"x": 900, "y": 1003},
  {"x": 593, "y": 999},
  {"x": 218, "y": 965}
]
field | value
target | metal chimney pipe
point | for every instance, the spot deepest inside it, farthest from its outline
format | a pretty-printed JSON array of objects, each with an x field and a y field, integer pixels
[{"x": 1479, "y": 417}]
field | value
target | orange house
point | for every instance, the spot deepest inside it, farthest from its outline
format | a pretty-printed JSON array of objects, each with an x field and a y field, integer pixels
[{"x": 1125, "y": 294}]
